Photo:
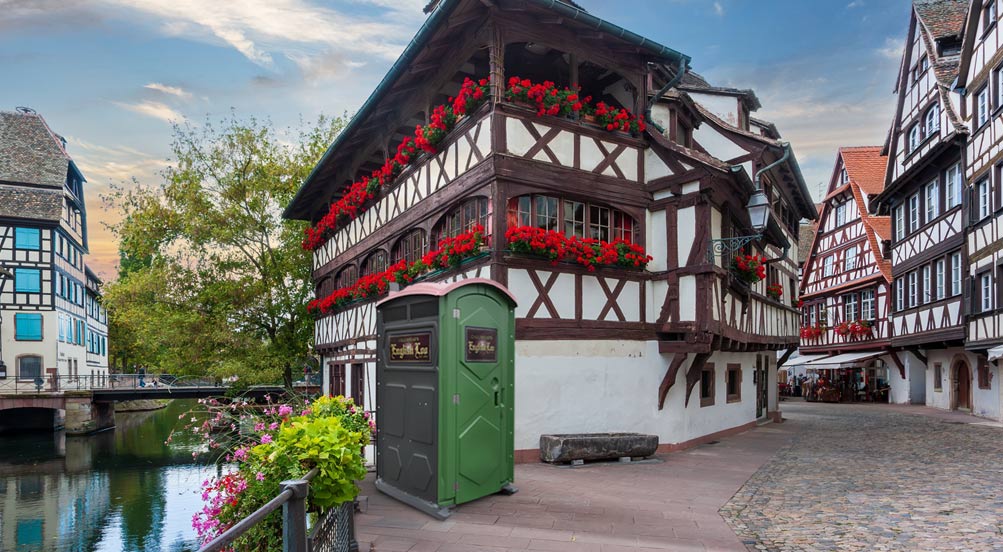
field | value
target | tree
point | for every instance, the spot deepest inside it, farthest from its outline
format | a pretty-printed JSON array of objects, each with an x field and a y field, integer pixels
[{"x": 213, "y": 280}]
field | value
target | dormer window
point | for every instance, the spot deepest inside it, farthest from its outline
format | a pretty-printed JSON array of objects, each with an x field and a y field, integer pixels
[{"x": 933, "y": 120}]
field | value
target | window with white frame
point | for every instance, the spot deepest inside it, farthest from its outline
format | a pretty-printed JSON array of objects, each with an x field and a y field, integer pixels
[
  {"x": 899, "y": 294},
  {"x": 828, "y": 266},
  {"x": 986, "y": 288},
  {"x": 932, "y": 197},
  {"x": 914, "y": 212},
  {"x": 927, "y": 294},
  {"x": 941, "y": 277},
  {"x": 999, "y": 86},
  {"x": 841, "y": 214},
  {"x": 982, "y": 107},
  {"x": 850, "y": 311},
  {"x": 899, "y": 222},
  {"x": 843, "y": 177},
  {"x": 933, "y": 120},
  {"x": 813, "y": 315},
  {"x": 953, "y": 187},
  {"x": 867, "y": 311},
  {"x": 988, "y": 14},
  {"x": 915, "y": 137},
  {"x": 982, "y": 199},
  {"x": 956, "y": 274},
  {"x": 850, "y": 262},
  {"x": 913, "y": 289}
]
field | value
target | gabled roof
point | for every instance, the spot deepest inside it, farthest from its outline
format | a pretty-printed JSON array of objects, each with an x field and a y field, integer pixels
[
  {"x": 30, "y": 153},
  {"x": 866, "y": 166},
  {"x": 806, "y": 235},
  {"x": 696, "y": 83},
  {"x": 30, "y": 203},
  {"x": 335, "y": 168},
  {"x": 943, "y": 18}
]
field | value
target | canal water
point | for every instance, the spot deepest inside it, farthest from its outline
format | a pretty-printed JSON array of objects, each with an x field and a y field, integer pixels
[{"x": 121, "y": 490}]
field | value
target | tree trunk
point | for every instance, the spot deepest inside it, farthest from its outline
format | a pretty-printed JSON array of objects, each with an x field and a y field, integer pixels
[{"x": 287, "y": 376}]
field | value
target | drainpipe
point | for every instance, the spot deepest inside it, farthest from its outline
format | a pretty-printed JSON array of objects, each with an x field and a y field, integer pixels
[
  {"x": 759, "y": 186},
  {"x": 684, "y": 66}
]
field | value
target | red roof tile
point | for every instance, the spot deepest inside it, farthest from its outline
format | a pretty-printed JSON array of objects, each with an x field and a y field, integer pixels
[
  {"x": 942, "y": 17},
  {"x": 866, "y": 167}
]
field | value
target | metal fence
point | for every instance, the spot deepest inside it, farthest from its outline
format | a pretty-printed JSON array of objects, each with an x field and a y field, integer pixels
[
  {"x": 55, "y": 384},
  {"x": 333, "y": 532}
]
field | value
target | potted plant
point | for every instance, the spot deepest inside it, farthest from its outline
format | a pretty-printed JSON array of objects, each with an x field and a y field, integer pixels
[
  {"x": 775, "y": 291},
  {"x": 749, "y": 268}
]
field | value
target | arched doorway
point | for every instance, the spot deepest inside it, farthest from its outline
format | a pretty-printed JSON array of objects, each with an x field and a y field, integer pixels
[{"x": 962, "y": 380}]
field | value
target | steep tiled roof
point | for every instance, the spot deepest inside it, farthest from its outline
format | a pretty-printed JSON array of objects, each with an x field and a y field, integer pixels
[
  {"x": 806, "y": 235},
  {"x": 30, "y": 203},
  {"x": 882, "y": 227},
  {"x": 866, "y": 166},
  {"x": 30, "y": 153},
  {"x": 942, "y": 17}
]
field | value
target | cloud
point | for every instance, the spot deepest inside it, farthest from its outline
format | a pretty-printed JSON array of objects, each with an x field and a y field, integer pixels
[
  {"x": 855, "y": 4},
  {"x": 169, "y": 90},
  {"x": 892, "y": 49},
  {"x": 258, "y": 29},
  {"x": 718, "y": 9},
  {"x": 153, "y": 109}
]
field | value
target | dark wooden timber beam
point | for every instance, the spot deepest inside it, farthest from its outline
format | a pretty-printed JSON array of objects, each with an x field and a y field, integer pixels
[
  {"x": 786, "y": 356},
  {"x": 898, "y": 362},
  {"x": 915, "y": 351},
  {"x": 670, "y": 378},
  {"x": 695, "y": 373}
]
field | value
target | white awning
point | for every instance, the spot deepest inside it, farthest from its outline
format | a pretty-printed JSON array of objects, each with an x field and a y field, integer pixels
[
  {"x": 846, "y": 358},
  {"x": 996, "y": 353},
  {"x": 801, "y": 359}
]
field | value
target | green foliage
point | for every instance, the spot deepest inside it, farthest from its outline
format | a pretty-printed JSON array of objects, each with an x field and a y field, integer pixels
[{"x": 213, "y": 281}]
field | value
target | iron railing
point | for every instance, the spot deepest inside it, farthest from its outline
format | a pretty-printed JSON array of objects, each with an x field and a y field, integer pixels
[
  {"x": 122, "y": 382},
  {"x": 333, "y": 532}
]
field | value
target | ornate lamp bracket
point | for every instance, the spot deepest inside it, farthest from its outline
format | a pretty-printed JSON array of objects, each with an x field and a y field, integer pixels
[{"x": 728, "y": 246}]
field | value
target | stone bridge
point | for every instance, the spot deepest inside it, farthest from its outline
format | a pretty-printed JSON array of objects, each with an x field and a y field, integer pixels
[{"x": 76, "y": 411}]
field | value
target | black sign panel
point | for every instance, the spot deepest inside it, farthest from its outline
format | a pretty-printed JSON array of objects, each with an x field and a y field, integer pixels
[
  {"x": 482, "y": 345},
  {"x": 411, "y": 348}
]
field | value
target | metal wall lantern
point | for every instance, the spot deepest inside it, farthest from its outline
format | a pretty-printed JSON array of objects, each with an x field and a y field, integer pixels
[{"x": 759, "y": 214}]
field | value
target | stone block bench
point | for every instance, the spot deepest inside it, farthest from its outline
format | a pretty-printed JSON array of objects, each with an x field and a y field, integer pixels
[{"x": 579, "y": 447}]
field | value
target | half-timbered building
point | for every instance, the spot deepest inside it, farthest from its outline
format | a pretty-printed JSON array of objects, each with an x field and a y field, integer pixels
[
  {"x": 43, "y": 241},
  {"x": 845, "y": 283},
  {"x": 925, "y": 194},
  {"x": 980, "y": 88},
  {"x": 677, "y": 346}
]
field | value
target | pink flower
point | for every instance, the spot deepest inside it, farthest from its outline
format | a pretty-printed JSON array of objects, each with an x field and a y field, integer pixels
[
  {"x": 240, "y": 454},
  {"x": 260, "y": 476},
  {"x": 273, "y": 426},
  {"x": 305, "y": 412},
  {"x": 265, "y": 439},
  {"x": 285, "y": 410},
  {"x": 260, "y": 426}
]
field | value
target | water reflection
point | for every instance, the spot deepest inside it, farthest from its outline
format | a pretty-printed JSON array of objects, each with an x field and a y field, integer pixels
[{"x": 120, "y": 490}]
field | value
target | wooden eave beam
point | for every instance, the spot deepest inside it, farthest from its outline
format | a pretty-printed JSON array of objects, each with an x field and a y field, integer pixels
[
  {"x": 694, "y": 374},
  {"x": 670, "y": 377}
]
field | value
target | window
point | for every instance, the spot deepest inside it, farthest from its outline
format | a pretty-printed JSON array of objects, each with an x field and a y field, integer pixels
[
  {"x": 982, "y": 107},
  {"x": 829, "y": 266},
  {"x": 29, "y": 367},
  {"x": 933, "y": 119},
  {"x": 850, "y": 312},
  {"x": 899, "y": 222},
  {"x": 27, "y": 280},
  {"x": 411, "y": 247},
  {"x": 927, "y": 290},
  {"x": 843, "y": 177},
  {"x": 336, "y": 380},
  {"x": 941, "y": 276},
  {"x": 841, "y": 214},
  {"x": 375, "y": 263},
  {"x": 27, "y": 238},
  {"x": 956, "y": 274},
  {"x": 986, "y": 291},
  {"x": 359, "y": 385},
  {"x": 988, "y": 15},
  {"x": 924, "y": 64},
  {"x": 932, "y": 192},
  {"x": 899, "y": 294},
  {"x": 914, "y": 212},
  {"x": 982, "y": 199},
  {"x": 707, "y": 385},
  {"x": 733, "y": 382},
  {"x": 915, "y": 137},
  {"x": 867, "y": 311},
  {"x": 984, "y": 377},
  {"x": 850, "y": 262},
  {"x": 574, "y": 218},
  {"x": 471, "y": 212},
  {"x": 913, "y": 292},
  {"x": 28, "y": 327},
  {"x": 346, "y": 277},
  {"x": 999, "y": 86},
  {"x": 952, "y": 186},
  {"x": 938, "y": 376}
]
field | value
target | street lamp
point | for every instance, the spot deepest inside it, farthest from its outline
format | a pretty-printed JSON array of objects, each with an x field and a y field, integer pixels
[
  {"x": 758, "y": 207},
  {"x": 5, "y": 274}
]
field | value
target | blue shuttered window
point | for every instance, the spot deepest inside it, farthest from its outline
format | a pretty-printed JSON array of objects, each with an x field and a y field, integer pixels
[
  {"x": 27, "y": 280},
  {"x": 28, "y": 238},
  {"x": 28, "y": 327}
]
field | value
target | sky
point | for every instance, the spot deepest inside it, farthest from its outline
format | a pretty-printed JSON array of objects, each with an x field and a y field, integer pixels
[{"x": 113, "y": 75}]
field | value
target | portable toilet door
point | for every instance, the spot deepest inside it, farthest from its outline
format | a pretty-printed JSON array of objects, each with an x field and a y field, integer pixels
[{"x": 477, "y": 371}]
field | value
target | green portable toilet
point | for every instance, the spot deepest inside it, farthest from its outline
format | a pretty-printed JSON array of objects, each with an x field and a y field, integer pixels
[{"x": 444, "y": 393}]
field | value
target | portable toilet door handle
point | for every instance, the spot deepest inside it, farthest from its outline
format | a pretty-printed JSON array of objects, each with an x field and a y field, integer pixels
[{"x": 497, "y": 392}]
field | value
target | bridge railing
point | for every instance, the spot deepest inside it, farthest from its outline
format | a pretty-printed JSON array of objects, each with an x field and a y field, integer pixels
[
  {"x": 89, "y": 382},
  {"x": 333, "y": 532}
]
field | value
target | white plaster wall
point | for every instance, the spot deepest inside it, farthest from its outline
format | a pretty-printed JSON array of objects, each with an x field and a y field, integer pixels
[
  {"x": 725, "y": 107},
  {"x": 603, "y": 386},
  {"x": 656, "y": 240},
  {"x": 917, "y": 381},
  {"x": 12, "y": 349},
  {"x": 986, "y": 402},
  {"x": 900, "y": 388},
  {"x": 938, "y": 398},
  {"x": 716, "y": 143}
]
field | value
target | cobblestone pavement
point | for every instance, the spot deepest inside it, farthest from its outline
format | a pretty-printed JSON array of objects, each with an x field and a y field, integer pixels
[{"x": 871, "y": 477}]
